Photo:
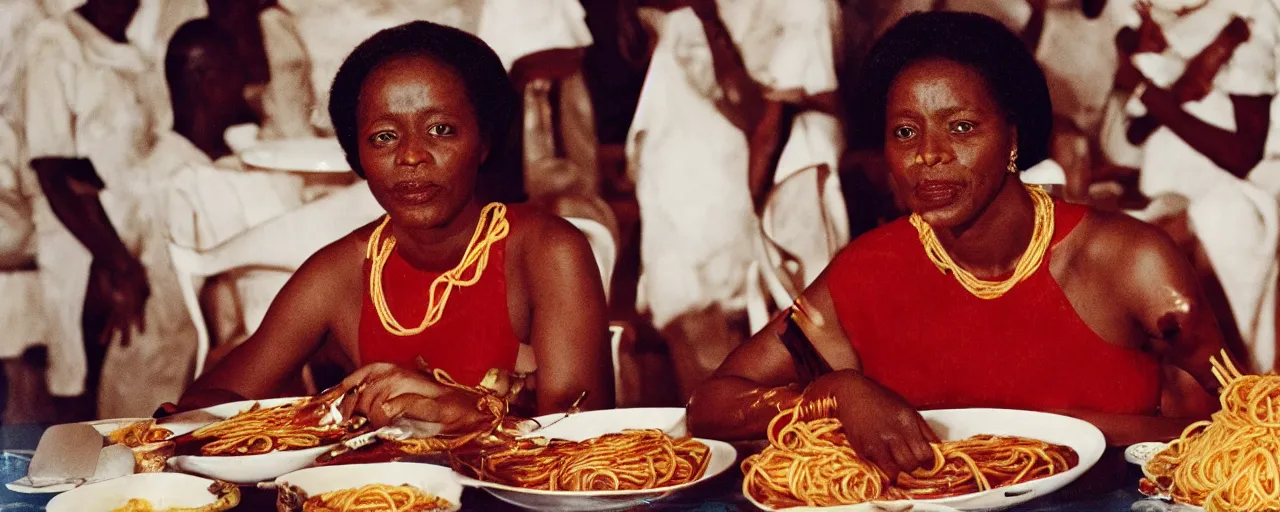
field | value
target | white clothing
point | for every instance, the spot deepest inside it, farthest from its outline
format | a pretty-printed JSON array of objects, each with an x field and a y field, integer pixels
[
  {"x": 17, "y": 18},
  {"x": 1078, "y": 56},
  {"x": 331, "y": 29},
  {"x": 22, "y": 316},
  {"x": 700, "y": 235},
  {"x": 288, "y": 101},
  {"x": 1236, "y": 220},
  {"x": 85, "y": 99},
  {"x": 516, "y": 28}
]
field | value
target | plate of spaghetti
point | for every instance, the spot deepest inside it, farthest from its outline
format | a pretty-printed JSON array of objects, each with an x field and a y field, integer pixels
[
  {"x": 149, "y": 492},
  {"x": 263, "y": 442},
  {"x": 388, "y": 486},
  {"x": 989, "y": 459},
  {"x": 596, "y": 462},
  {"x": 1232, "y": 461}
]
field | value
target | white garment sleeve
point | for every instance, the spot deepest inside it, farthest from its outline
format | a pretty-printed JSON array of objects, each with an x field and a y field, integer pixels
[
  {"x": 805, "y": 55},
  {"x": 50, "y": 108},
  {"x": 288, "y": 99},
  {"x": 1252, "y": 68}
]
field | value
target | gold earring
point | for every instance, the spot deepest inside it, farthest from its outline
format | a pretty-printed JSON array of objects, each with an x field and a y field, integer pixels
[{"x": 1013, "y": 160}]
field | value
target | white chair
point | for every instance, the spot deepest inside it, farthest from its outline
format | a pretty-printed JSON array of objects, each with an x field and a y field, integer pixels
[
  {"x": 603, "y": 246},
  {"x": 192, "y": 268}
]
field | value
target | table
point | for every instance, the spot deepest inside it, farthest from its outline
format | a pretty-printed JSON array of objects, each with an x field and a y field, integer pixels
[{"x": 1111, "y": 487}]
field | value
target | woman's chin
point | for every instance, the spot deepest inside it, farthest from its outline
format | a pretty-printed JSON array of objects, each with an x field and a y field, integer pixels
[
  {"x": 420, "y": 217},
  {"x": 946, "y": 217}
]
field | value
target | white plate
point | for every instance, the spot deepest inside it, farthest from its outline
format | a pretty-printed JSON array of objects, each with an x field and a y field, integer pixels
[
  {"x": 247, "y": 469},
  {"x": 437, "y": 481},
  {"x": 957, "y": 424},
  {"x": 591, "y": 424},
  {"x": 163, "y": 490},
  {"x": 586, "y": 425},
  {"x": 297, "y": 155}
]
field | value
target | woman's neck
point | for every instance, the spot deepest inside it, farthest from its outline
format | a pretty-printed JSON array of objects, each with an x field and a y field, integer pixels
[
  {"x": 991, "y": 244},
  {"x": 438, "y": 248}
]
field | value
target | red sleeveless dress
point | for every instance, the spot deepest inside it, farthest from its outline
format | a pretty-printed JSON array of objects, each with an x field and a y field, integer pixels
[
  {"x": 473, "y": 336},
  {"x": 920, "y": 333}
]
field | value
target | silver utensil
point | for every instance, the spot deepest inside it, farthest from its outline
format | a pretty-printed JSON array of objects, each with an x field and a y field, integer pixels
[{"x": 573, "y": 409}]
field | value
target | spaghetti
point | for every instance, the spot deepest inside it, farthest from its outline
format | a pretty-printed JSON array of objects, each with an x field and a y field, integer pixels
[
  {"x": 227, "y": 496},
  {"x": 629, "y": 460},
  {"x": 810, "y": 463},
  {"x": 290, "y": 426},
  {"x": 140, "y": 433},
  {"x": 1232, "y": 461},
  {"x": 376, "y": 498}
]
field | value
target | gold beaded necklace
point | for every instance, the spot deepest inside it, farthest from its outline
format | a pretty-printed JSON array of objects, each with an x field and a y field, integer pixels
[
  {"x": 1027, "y": 264},
  {"x": 475, "y": 257}
]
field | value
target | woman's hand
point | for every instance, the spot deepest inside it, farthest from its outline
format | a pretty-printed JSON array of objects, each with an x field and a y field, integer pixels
[
  {"x": 384, "y": 392},
  {"x": 880, "y": 425}
]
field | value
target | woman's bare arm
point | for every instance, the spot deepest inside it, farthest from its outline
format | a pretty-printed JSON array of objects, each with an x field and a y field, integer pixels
[
  {"x": 569, "y": 327},
  {"x": 758, "y": 379},
  {"x": 1156, "y": 284},
  {"x": 292, "y": 331}
]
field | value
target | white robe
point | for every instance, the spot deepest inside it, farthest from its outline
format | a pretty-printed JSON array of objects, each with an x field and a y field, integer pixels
[
  {"x": 1235, "y": 220},
  {"x": 85, "y": 99},
  {"x": 700, "y": 236}
]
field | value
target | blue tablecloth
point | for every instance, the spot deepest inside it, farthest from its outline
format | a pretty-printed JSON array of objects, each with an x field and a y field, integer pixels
[{"x": 722, "y": 494}]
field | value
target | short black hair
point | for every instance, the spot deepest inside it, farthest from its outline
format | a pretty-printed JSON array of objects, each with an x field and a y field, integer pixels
[
  {"x": 197, "y": 52},
  {"x": 488, "y": 87},
  {"x": 1013, "y": 77}
]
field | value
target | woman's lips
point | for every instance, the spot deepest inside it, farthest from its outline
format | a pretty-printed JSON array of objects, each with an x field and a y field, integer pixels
[
  {"x": 936, "y": 194},
  {"x": 415, "y": 192}
]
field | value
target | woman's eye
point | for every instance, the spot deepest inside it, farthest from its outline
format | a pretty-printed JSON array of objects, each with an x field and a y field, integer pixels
[
  {"x": 441, "y": 130},
  {"x": 962, "y": 127},
  {"x": 383, "y": 138},
  {"x": 903, "y": 133}
]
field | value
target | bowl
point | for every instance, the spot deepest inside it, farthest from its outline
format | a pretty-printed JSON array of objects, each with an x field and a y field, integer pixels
[
  {"x": 436, "y": 481},
  {"x": 163, "y": 490}
]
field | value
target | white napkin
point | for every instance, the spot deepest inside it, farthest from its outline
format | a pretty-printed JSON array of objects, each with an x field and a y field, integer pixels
[{"x": 114, "y": 461}]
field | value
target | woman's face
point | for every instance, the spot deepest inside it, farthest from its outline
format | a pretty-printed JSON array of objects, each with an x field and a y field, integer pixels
[
  {"x": 419, "y": 140},
  {"x": 947, "y": 142}
]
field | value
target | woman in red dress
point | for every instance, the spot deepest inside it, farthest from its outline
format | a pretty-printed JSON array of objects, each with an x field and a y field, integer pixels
[
  {"x": 991, "y": 294},
  {"x": 443, "y": 281}
]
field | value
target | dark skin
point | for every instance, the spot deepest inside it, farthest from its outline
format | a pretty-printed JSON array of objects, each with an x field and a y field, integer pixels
[
  {"x": 118, "y": 288},
  {"x": 418, "y": 131},
  {"x": 210, "y": 75},
  {"x": 1126, "y": 280}
]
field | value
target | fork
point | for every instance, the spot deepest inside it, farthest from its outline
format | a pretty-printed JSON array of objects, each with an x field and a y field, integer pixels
[{"x": 573, "y": 409}]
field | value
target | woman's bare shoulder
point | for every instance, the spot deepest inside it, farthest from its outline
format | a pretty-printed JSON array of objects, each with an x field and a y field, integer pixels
[
  {"x": 1129, "y": 250},
  {"x": 342, "y": 259}
]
